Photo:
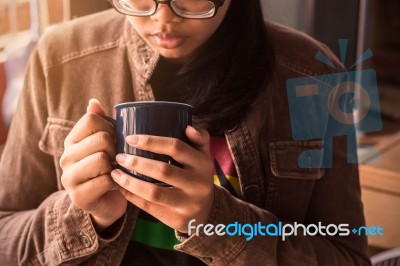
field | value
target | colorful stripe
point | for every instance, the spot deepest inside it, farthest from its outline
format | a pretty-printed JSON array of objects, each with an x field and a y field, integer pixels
[{"x": 153, "y": 234}]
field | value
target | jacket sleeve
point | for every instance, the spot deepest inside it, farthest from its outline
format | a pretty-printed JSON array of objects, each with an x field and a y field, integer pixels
[
  {"x": 335, "y": 200},
  {"x": 38, "y": 223}
]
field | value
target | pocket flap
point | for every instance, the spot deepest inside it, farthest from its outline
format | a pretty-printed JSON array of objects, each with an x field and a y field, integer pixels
[
  {"x": 55, "y": 132},
  {"x": 286, "y": 157}
]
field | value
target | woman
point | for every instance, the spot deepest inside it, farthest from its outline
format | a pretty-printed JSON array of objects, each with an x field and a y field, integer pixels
[{"x": 216, "y": 55}]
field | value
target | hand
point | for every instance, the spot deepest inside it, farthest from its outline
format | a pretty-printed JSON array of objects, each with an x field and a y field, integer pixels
[
  {"x": 192, "y": 193},
  {"x": 89, "y": 148}
]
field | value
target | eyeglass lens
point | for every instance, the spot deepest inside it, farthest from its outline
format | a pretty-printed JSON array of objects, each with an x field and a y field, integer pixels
[{"x": 181, "y": 7}]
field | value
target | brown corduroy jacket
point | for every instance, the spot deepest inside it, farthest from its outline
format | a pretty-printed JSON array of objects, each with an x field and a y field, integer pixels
[{"x": 101, "y": 56}]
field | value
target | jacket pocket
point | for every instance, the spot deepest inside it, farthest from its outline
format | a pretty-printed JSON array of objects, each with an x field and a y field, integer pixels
[
  {"x": 55, "y": 132},
  {"x": 287, "y": 157},
  {"x": 291, "y": 187},
  {"x": 52, "y": 142}
]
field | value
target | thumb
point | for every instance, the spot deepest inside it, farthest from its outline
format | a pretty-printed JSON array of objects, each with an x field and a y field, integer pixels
[
  {"x": 200, "y": 139},
  {"x": 94, "y": 106}
]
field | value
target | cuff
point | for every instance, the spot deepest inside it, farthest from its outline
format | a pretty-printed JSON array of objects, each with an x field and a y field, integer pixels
[
  {"x": 217, "y": 249},
  {"x": 112, "y": 232},
  {"x": 75, "y": 232}
]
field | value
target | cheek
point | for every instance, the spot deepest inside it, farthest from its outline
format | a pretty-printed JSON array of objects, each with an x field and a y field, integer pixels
[
  {"x": 138, "y": 23},
  {"x": 206, "y": 28},
  {"x": 201, "y": 33}
]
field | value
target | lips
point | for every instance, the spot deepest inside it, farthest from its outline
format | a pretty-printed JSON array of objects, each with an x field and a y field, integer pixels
[{"x": 168, "y": 40}]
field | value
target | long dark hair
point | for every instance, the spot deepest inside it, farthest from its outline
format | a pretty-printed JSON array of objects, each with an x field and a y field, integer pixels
[{"x": 230, "y": 69}]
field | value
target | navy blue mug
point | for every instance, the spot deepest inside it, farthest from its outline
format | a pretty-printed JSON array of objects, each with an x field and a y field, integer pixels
[{"x": 166, "y": 119}]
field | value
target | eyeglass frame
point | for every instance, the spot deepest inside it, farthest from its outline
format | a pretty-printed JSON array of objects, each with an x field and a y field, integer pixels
[{"x": 217, "y": 5}]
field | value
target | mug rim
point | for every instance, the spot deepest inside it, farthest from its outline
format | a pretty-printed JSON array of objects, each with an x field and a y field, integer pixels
[{"x": 151, "y": 103}]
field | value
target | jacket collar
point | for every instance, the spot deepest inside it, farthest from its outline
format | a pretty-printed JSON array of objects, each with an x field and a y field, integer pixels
[{"x": 143, "y": 59}]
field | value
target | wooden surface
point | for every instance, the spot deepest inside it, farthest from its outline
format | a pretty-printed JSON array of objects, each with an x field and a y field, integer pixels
[
  {"x": 381, "y": 199},
  {"x": 380, "y": 184}
]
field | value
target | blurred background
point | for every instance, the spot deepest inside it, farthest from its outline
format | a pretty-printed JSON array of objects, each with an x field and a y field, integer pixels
[
  {"x": 21, "y": 24},
  {"x": 367, "y": 24}
]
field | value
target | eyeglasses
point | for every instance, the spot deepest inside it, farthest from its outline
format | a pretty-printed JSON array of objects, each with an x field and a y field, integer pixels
[{"x": 194, "y": 9}]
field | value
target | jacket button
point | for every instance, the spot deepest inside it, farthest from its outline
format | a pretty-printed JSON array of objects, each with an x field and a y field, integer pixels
[
  {"x": 251, "y": 191},
  {"x": 85, "y": 241}
]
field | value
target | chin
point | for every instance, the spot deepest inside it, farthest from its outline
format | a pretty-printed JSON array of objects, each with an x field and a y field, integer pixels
[{"x": 174, "y": 57}]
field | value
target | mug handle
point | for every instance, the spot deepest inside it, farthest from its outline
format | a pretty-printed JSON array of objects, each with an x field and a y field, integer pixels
[
  {"x": 114, "y": 163},
  {"x": 110, "y": 119}
]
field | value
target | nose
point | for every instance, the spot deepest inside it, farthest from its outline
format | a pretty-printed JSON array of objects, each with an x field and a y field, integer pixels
[{"x": 164, "y": 14}]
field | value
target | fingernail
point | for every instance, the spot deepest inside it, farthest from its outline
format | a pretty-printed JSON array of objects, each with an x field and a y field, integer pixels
[
  {"x": 121, "y": 158},
  {"x": 93, "y": 100},
  {"x": 195, "y": 131},
  {"x": 116, "y": 175},
  {"x": 114, "y": 187},
  {"x": 132, "y": 139}
]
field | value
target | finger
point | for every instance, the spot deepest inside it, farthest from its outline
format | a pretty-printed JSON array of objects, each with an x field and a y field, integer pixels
[
  {"x": 87, "y": 194},
  {"x": 158, "y": 211},
  {"x": 89, "y": 124},
  {"x": 94, "y": 106},
  {"x": 98, "y": 142},
  {"x": 165, "y": 196},
  {"x": 175, "y": 148},
  {"x": 170, "y": 174},
  {"x": 94, "y": 165},
  {"x": 200, "y": 139}
]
